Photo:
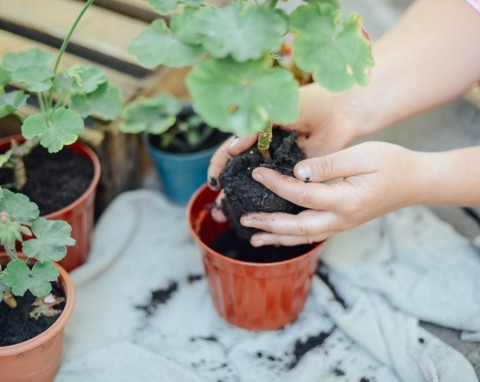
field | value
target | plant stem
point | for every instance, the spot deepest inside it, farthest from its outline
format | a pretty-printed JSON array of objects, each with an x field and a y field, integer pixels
[
  {"x": 18, "y": 153},
  {"x": 264, "y": 139},
  {"x": 65, "y": 44},
  {"x": 19, "y": 116}
]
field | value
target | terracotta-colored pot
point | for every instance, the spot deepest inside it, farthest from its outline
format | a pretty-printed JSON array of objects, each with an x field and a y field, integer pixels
[
  {"x": 38, "y": 359},
  {"x": 78, "y": 214},
  {"x": 255, "y": 296}
]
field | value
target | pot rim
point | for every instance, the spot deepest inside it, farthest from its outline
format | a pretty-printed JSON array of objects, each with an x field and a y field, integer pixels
[
  {"x": 76, "y": 146},
  {"x": 57, "y": 326},
  {"x": 315, "y": 246}
]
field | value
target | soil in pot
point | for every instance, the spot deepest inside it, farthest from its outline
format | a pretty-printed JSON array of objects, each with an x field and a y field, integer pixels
[
  {"x": 17, "y": 325},
  {"x": 228, "y": 244},
  {"x": 245, "y": 195},
  {"x": 53, "y": 180}
]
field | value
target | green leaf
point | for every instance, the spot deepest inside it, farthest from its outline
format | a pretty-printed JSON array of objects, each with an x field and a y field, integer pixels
[
  {"x": 18, "y": 206},
  {"x": 31, "y": 68},
  {"x": 244, "y": 33},
  {"x": 105, "y": 102},
  {"x": 3, "y": 286},
  {"x": 154, "y": 115},
  {"x": 243, "y": 98},
  {"x": 165, "y": 7},
  {"x": 38, "y": 280},
  {"x": 333, "y": 3},
  {"x": 10, "y": 232},
  {"x": 1, "y": 191},
  {"x": 4, "y": 77},
  {"x": 51, "y": 240},
  {"x": 12, "y": 101},
  {"x": 61, "y": 129},
  {"x": 5, "y": 159},
  {"x": 83, "y": 79},
  {"x": 158, "y": 45},
  {"x": 338, "y": 58}
]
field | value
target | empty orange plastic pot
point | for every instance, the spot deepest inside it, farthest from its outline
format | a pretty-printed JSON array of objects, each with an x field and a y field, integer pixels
[
  {"x": 254, "y": 296},
  {"x": 38, "y": 359},
  {"x": 80, "y": 213}
]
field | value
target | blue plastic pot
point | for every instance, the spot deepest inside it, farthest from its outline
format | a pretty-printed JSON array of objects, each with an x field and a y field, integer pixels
[{"x": 180, "y": 174}]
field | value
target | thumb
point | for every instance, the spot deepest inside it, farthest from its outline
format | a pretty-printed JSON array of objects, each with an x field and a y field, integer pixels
[{"x": 341, "y": 164}]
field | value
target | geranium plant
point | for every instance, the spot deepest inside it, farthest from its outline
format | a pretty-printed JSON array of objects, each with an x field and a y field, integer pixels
[
  {"x": 64, "y": 99},
  {"x": 159, "y": 116},
  {"x": 235, "y": 81},
  {"x": 19, "y": 218}
]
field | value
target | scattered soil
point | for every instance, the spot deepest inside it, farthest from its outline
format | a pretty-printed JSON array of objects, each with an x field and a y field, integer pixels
[
  {"x": 53, "y": 180},
  {"x": 159, "y": 297},
  {"x": 303, "y": 347},
  {"x": 17, "y": 325},
  {"x": 228, "y": 244},
  {"x": 245, "y": 194}
]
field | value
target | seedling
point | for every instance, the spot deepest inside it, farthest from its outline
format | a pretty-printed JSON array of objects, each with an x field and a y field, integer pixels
[
  {"x": 234, "y": 82},
  {"x": 64, "y": 99},
  {"x": 158, "y": 115},
  {"x": 19, "y": 218}
]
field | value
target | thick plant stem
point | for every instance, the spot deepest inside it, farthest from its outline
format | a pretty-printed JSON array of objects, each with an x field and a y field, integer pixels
[
  {"x": 264, "y": 139},
  {"x": 18, "y": 153},
  {"x": 9, "y": 299}
]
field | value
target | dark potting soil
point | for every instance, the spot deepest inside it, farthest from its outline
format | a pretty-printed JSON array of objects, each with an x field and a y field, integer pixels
[
  {"x": 245, "y": 194},
  {"x": 229, "y": 244},
  {"x": 16, "y": 324},
  {"x": 53, "y": 180},
  {"x": 215, "y": 138}
]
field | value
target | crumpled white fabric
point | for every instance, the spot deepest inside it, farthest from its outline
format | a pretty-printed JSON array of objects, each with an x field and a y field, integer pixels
[{"x": 360, "y": 323}]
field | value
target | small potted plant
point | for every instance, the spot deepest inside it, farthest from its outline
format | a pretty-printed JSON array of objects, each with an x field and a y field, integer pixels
[
  {"x": 179, "y": 142},
  {"x": 36, "y": 295},
  {"x": 238, "y": 86},
  {"x": 34, "y": 163}
]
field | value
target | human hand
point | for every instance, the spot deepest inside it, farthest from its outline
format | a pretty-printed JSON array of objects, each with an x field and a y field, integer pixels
[{"x": 374, "y": 178}]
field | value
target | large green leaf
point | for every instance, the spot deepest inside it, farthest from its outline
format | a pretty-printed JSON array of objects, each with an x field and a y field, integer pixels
[
  {"x": 243, "y": 98},
  {"x": 158, "y": 45},
  {"x": 31, "y": 68},
  {"x": 105, "y": 102},
  {"x": 4, "y": 77},
  {"x": 10, "y": 232},
  {"x": 19, "y": 277},
  {"x": 12, "y": 101},
  {"x": 339, "y": 57},
  {"x": 244, "y": 33},
  {"x": 165, "y": 7},
  {"x": 51, "y": 240},
  {"x": 18, "y": 206},
  {"x": 80, "y": 79},
  {"x": 61, "y": 129},
  {"x": 154, "y": 115}
]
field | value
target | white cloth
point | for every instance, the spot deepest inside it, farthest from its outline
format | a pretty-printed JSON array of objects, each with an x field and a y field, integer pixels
[{"x": 144, "y": 312}]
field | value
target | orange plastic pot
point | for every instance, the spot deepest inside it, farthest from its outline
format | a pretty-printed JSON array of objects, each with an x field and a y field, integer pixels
[
  {"x": 80, "y": 213},
  {"x": 38, "y": 359},
  {"x": 254, "y": 296}
]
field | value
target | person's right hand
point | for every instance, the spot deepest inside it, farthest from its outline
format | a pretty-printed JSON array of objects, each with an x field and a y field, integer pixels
[{"x": 323, "y": 127}]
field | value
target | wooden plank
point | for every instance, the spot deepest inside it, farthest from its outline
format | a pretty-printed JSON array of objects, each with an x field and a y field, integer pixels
[
  {"x": 139, "y": 9},
  {"x": 100, "y": 29},
  {"x": 130, "y": 86}
]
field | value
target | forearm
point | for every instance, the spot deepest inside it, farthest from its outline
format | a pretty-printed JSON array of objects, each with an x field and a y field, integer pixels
[
  {"x": 431, "y": 56},
  {"x": 449, "y": 177}
]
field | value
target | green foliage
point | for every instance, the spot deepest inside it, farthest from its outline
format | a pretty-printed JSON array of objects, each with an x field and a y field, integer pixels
[
  {"x": 11, "y": 101},
  {"x": 232, "y": 82},
  {"x": 165, "y": 7},
  {"x": 104, "y": 102},
  {"x": 19, "y": 217}
]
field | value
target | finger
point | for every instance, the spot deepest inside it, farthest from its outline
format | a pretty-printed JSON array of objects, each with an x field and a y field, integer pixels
[
  {"x": 342, "y": 164},
  {"x": 306, "y": 223},
  {"x": 316, "y": 196},
  {"x": 231, "y": 147},
  {"x": 217, "y": 213},
  {"x": 261, "y": 239}
]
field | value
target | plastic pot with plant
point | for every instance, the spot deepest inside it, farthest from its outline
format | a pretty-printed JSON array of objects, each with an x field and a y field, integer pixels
[
  {"x": 238, "y": 85},
  {"x": 180, "y": 143},
  {"x": 36, "y": 295},
  {"x": 35, "y": 162}
]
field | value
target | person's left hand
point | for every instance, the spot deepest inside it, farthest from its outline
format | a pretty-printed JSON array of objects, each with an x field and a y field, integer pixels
[{"x": 373, "y": 178}]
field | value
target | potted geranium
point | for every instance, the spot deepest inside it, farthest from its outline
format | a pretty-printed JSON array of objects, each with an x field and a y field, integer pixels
[
  {"x": 61, "y": 182},
  {"x": 36, "y": 295},
  {"x": 238, "y": 86},
  {"x": 180, "y": 143}
]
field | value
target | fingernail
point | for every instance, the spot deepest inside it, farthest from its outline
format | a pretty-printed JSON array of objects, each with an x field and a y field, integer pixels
[
  {"x": 258, "y": 177},
  {"x": 304, "y": 171},
  {"x": 257, "y": 242},
  {"x": 233, "y": 143}
]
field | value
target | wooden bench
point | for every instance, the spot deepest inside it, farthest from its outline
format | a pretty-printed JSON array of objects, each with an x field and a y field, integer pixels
[{"x": 101, "y": 39}]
